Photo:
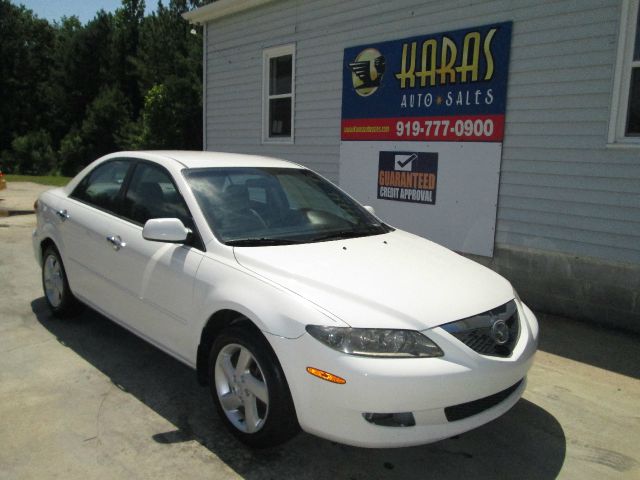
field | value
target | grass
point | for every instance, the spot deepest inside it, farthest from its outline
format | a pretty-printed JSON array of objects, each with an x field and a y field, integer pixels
[{"x": 55, "y": 180}]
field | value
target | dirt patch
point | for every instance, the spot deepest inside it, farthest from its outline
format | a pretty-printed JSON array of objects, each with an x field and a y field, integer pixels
[{"x": 18, "y": 198}]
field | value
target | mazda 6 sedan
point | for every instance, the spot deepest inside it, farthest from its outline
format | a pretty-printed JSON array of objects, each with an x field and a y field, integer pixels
[{"x": 296, "y": 305}]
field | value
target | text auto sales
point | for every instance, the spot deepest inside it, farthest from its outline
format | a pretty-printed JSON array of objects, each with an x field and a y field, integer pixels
[{"x": 445, "y": 72}]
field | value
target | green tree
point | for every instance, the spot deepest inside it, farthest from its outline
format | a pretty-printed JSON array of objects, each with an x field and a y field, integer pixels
[
  {"x": 26, "y": 47},
  {"x": 170, "y": 116},
  {"x": 82, "y": 67},
  {"x": 32, "y": 153},
  {"x": 128, "y": 21},
  {"x": 73, "y": 153},
  {"x": 120, "y": 80},
  {"x": 167, "y": 46},
  {"x": 106, "y": 118},
  {"x": 169, "y": 65}
]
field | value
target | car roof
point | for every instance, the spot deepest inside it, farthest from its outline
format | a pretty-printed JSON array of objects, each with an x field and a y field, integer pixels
[
  {"x": 199, "y": 159},
  {"x": 188, "y": 159}
]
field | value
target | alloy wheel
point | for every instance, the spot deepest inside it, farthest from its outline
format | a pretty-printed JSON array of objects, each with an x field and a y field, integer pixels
[
  {"x": 53, "y": 281},
  {"x": 241, "y": 388}
]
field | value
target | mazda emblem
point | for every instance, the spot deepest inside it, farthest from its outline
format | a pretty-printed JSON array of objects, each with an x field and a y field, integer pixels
[{"x": 500, "y": 332}]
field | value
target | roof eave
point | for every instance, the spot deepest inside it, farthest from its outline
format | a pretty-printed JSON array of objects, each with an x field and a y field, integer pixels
[{"x": 220, "y": 9}]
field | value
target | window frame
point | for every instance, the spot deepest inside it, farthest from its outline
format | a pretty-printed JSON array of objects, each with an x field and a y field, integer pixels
[
  {"x": 622, "y": 77},
  {"x": 196, "y": 239},
  {"x": 142, "y": 164},
  {"x": 118, "y": 198},
  {"x": 267, "y": 55}
]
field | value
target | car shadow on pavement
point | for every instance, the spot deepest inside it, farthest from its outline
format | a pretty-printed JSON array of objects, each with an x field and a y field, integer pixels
[
  {"x": 527, "y": 442},
  {"x": 575, "y": 339}
]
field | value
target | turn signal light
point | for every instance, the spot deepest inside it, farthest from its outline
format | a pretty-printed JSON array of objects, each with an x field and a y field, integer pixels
[{"x": 329, "y": 377}]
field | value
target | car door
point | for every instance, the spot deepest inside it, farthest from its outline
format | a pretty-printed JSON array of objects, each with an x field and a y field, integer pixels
[
  {"x": 158, "y": 277},
  {"x": 86, "y": 218}
]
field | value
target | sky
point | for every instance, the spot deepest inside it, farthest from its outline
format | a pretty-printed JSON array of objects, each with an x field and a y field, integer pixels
[{"x": 85, "y": 10}]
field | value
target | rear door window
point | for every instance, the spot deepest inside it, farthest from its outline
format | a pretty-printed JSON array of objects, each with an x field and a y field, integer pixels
[{"x": 101, "y": 188}]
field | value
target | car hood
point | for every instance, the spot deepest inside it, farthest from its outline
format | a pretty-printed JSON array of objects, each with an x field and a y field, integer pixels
[{"x": 394, "y": 280}]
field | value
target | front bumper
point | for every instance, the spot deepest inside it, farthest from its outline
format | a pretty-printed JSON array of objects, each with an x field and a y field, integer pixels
[{"x": 424, "y": 387}]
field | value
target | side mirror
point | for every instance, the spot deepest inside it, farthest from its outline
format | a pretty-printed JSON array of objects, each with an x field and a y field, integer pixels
[
  {"x": 370, "y": 209},
  {"x": 169, "y": 230}
]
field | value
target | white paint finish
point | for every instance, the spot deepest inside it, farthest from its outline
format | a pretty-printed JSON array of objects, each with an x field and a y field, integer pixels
[
  {"x": 220, "y": 9},
  {"x": 165, "y": 293},
  {"x": 563, "y": 57},
  {"x": 406, "y": 280},
  {"x": 463, "y": 217},
  {"x": 411, "y": 391},
  {"x": 165, "y": 230},
  {"x": 153, "y": 286}
]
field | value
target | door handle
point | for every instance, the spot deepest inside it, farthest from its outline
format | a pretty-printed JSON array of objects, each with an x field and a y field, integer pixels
[
  {"x": 62, "y": 214},
  {"x": 116, "y": 241}
]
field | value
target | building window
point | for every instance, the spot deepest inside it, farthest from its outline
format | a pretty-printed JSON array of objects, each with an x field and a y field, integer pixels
[
  {"x": 278, "y": 83},
  {"x": 624, "y": 126}
]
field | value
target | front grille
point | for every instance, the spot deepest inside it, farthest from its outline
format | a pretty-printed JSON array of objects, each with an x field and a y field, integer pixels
[
  {"x": 493, "y": 333},
  {"x": 464, "y": 410}
]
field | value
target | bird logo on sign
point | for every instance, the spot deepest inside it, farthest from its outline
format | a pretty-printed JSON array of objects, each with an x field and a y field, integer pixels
[{"x": 366, "y": 71}]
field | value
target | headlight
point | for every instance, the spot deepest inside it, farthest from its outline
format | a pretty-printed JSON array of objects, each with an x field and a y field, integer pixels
[{"x": 376, "y": 342}]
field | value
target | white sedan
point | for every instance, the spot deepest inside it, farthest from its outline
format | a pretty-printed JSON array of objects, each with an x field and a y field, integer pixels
[{"x": 298, "y": 306}]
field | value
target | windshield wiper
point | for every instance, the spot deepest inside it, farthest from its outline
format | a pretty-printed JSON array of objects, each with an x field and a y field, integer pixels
[
  {"x": 260, "y": 242},
  {"x": 343, "y": 234}
]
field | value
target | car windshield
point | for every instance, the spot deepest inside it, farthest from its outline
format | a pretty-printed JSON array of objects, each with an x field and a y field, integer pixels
[{"x": 277, "y": 206}]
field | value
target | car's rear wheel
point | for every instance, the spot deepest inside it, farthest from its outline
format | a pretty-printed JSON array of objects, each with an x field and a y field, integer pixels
[
  {"x": 55, "y": 284},
  {"x": 249, "y": 388}
]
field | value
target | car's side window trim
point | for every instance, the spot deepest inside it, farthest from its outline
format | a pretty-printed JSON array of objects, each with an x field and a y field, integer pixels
[
  {"x": 196, "y": 241},
  {"x": 115, "y": 212}
]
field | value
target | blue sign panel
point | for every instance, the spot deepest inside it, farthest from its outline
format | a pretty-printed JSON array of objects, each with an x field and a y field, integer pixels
[{"x": 449, "y": 86}]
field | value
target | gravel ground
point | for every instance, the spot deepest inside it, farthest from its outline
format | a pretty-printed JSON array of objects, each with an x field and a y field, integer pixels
[{"x": 83, "y": 399}]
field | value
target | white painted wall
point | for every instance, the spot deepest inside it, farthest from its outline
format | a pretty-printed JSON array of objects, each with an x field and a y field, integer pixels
[{"x": 561, "y": 188}]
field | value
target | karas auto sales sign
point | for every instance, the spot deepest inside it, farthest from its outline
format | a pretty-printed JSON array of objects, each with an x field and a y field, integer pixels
[{"x": 445, "y": 87}]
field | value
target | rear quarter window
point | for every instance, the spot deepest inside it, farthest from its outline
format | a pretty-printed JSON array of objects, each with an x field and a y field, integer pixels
[{"x": 101, "y": 187}]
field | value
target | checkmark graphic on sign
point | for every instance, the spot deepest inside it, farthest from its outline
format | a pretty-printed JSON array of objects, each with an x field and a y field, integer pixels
[{"x": 405, "y": 163}]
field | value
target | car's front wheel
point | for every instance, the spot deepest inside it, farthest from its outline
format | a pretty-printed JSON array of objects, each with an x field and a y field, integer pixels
[
  {"x": 55, "y": 284},
  {"x": 249, "y": 388}
]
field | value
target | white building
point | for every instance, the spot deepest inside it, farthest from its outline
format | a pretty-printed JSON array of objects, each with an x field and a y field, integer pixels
[{"x": 552, "y": 203}]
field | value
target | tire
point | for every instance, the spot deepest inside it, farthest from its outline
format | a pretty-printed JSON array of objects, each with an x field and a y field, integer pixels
[
  {"x": 249, "y": 388},
  {"x": 55, "y": 284}
]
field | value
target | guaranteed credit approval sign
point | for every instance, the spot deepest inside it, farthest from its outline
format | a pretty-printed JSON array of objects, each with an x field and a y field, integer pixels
[
  {"x": 422, "y": 129},
  {"x": 408, "y": 176},
  {"x": 448, "y": 86}
]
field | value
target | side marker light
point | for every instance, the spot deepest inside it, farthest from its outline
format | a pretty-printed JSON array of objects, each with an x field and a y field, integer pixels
[{"x": 329, "y": 377}]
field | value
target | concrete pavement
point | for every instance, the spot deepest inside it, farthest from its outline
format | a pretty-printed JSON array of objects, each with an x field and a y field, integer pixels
[{"x": 85, "y": 399}]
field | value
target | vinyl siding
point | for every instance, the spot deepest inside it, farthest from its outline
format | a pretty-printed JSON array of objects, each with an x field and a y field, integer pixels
[{"x": 561, "y": 188}]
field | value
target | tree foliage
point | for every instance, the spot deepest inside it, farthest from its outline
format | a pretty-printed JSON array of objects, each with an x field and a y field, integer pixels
[
  {"x": 33, "y": 153},
  {"x": 73, "y": 92},
  {"x": 100, "y": 132},
  {"x": 26, "y": 47},
  {"x": 167, "y": 107}
]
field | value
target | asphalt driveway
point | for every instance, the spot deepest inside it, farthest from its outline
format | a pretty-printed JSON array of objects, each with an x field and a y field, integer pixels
[{"x": 83, "y": 398}]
